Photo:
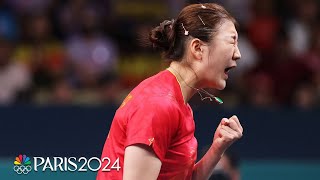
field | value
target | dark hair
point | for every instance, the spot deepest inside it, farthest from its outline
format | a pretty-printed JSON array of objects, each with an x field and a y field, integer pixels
[{"x": 200, "y": 20}]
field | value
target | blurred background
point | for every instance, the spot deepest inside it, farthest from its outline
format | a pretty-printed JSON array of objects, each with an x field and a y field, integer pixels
[{"x": 66, "y": 65}]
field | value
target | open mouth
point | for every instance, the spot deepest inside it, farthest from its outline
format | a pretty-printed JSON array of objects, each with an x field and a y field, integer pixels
[{"x": 227, "y": 70}]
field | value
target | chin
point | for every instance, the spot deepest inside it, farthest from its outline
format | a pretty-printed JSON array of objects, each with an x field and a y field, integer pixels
[
  {"x": 221, "y": 85},
  {"x": 218, "y": 84}
]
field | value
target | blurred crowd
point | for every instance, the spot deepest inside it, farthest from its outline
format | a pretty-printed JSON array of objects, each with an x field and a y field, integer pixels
[{"x": 88, "y": 52}]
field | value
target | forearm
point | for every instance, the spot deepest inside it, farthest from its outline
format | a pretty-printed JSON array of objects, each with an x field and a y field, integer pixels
[{"x": 204, "y": 168}]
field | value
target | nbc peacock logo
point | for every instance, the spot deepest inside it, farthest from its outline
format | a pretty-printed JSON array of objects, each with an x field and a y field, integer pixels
[{"x": 22, "y": 164}]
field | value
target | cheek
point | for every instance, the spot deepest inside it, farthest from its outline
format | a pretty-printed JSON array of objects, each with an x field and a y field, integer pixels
[
  {"x": 218, "y": 58},
  {"x": 216, "y": 64},
  {"x": 228, "y": 51},
  {"x": 222, "y": 53},
  {"x": 211, "y": 65}
]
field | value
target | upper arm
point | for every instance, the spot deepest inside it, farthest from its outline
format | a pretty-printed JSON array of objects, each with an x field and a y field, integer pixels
[
  {"x": 140, "y": 163},
  {"x": 153, "y": 125}
]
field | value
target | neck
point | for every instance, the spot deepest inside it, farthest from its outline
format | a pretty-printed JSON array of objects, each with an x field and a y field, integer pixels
[{"x": 187, "y": 79}]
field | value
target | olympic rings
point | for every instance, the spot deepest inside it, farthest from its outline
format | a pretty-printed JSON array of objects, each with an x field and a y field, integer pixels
[{"x": 22, "y": 169}]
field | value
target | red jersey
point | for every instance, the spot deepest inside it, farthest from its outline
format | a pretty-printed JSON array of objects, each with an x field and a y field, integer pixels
[{"x": 154, "y": 114}]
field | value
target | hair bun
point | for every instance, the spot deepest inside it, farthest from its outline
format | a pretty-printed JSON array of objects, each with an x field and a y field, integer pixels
[{"x": 162, "y": 36}]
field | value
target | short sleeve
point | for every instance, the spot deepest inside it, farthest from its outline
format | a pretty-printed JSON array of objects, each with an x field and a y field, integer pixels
[{"x": 153, "y": 124}]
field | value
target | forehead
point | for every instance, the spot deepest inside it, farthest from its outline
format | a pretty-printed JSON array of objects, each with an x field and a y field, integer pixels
[{"x": 227, "y": 28}]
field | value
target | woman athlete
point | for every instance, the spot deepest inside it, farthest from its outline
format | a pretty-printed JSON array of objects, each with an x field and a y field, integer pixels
[{"x": 152, "y": 133}]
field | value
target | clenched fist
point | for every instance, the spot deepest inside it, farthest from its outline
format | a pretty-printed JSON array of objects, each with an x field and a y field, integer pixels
[{"x": 228, "y": 131}]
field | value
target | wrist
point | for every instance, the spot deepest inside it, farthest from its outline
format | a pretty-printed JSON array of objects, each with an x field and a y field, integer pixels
[{"x": 216, "y": 150}]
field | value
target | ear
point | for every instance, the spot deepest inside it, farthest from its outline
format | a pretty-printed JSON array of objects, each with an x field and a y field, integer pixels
[{"x": 196, "y": 48}]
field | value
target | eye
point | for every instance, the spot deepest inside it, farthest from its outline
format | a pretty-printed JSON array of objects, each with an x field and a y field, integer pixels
[
  {"x": 234, "y": 39},
  {"x": 233, "y": 42}
]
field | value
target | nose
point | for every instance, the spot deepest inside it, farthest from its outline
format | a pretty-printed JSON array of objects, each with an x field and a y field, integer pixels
[{"x": 236, "y": 54}]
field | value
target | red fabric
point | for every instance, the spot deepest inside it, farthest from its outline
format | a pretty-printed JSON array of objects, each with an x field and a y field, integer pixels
[{"x": 154, "y": 114}]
